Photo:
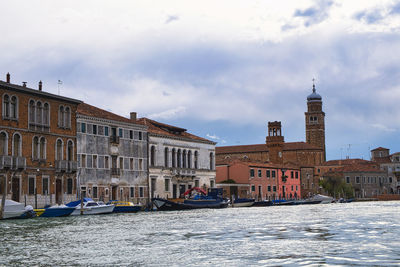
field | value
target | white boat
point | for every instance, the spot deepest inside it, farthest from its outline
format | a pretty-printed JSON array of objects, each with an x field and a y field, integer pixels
[
  {"x": 322, "y": 198},
  {"x": 92, "y": 208},
  {"x": 243, "y": 202},
  {"x": 13, "y": 209}
]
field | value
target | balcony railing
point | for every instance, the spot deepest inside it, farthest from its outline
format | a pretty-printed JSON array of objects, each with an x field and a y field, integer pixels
[
  {"x": 115, "y": 171},
  {"x": 19, "y": 163},
  {"x": 5, "y": 162},
  {"x": 61, "y": 165},
  {"x": 72, "y": 166},
  {"x": 183, "y": 172}
]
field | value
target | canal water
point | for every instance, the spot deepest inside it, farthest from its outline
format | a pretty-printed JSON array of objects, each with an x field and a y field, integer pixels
[{"x": 357, "y": 234}]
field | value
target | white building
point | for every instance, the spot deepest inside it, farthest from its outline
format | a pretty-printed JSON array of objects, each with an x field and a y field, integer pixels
[
  {"x": 112, "y": 155},
  {"x": 178, "y": 160}
]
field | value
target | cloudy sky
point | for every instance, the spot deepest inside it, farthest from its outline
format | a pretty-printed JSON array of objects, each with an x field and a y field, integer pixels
[{"x": 221, "y": 69}]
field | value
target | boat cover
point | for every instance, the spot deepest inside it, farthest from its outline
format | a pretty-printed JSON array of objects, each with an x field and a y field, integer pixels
[
  {"x": 197, "y": 189},
  {"x": 13, "y": 206},
  {"x": 78, "y": 202}
]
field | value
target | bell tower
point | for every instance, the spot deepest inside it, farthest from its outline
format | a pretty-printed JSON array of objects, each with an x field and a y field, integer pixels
[
  {"x": 315, "y": 121},
  {"x": 275, "y": 142}
]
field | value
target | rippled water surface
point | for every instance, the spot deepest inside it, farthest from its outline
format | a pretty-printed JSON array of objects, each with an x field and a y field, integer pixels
[{"x": 334, "y": 234}]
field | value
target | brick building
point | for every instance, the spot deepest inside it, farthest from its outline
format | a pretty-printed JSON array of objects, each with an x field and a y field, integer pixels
[
  {"x": 263, "y": 181},
  {"x": 389, "y": 163},
  {"x": 37, "y": 144},
  {"x": 306, "y": 155},
  {"x": 112, "y": 155}
]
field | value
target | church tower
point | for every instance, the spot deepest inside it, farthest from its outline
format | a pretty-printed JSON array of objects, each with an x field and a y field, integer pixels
[
  {"x": 275, "y": 142},
  {"x": 315, "y": 121}
]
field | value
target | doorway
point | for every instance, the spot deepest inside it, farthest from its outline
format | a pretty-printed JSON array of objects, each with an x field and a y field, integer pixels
[
  {"x": 15, "y": 189},
  {"x": 114, "y": 193},
  {"x": 174, "y": 191},
  {"x": 182, "y": 189},
  {"x": 58, "y": 191}
]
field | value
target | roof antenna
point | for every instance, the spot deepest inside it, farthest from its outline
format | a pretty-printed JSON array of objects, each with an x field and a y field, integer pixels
[{"x": 59, "y": 83}]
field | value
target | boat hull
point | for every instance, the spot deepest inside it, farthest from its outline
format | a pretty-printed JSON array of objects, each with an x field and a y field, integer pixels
[
  {"x": 127, "y": 209},
  {"x": 54, "y": 212},
  {"x": 167, "y": 205},
  {"x": 264, "y": 203},
  {"x": 93, "y": 210}
]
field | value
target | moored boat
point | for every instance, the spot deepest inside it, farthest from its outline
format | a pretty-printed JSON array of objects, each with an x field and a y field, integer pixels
[
  {"x": 54, "y": 211},
  {"x": 243, "y": 202},
  {"x": 16, "y": 210},
  {"x": 90, "y": 207},
  {"x": 125, "y": 206},
  {"x": 263, "y": 203},
  {"x": 323, "y": 199}
]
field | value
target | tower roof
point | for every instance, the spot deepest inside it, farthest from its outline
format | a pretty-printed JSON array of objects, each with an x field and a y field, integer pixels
[{"x": 314, "y": 96}]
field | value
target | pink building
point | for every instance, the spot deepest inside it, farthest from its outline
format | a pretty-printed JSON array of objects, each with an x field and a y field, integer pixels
[{"x": 263, "y": 181}]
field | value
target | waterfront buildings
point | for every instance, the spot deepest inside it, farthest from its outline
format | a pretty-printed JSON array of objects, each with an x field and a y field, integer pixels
[
  {"x": 306, "y": 155},
  {"x": 391, "y": 164},
  {"x": 112, "y": 155},
  {"x": 37, "y": 145},
  {"x": 178, "y": 160},
  {"x": 263, "y": 181}
]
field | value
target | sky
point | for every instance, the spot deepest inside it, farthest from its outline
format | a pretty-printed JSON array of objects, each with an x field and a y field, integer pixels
[{"x": 221, "y": 69}]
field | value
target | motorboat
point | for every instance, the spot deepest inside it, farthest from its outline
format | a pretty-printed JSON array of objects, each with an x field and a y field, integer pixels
[
  {"x": 263, "y": 203},
  {"x": 213, "y": 199},
  {"x": 125, "y": 206},
  {"x": 243, "y": 202},
  {"x": 323, "y": 199},
  {"x": 55, "y": 211},
  {"x": 16, "y": 210},
  {"x": 90, "y": 207}
]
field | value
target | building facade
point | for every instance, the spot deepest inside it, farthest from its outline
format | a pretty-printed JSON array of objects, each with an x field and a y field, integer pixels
[
  {"x": 37, "y": 145},
  {"x": 264, "y": 181},
  {"x": 389, "y": 163},
  {"x": 112, "y": 156},
  {"x": 178, "y": 160}
]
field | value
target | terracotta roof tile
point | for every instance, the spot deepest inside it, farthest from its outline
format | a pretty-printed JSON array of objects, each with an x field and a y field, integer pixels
[
  {"x": 159, "y": 128},
  {"x": 263, "y": 148},
  {"x": 92, "y": 111},
  {"x": 379, "y": 148},
  {"x": 342, "y": 162},
  {"x": 357, "y": 168}
]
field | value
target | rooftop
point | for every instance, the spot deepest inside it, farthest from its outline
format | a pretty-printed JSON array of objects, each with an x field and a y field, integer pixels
[
  {"x": 92, "y": 111},
  {"x": 263, "y": 148}
]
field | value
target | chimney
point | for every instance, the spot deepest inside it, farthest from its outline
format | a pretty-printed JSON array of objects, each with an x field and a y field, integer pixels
[
  {"x": 133, "y": 116},
  {"x": 40, "y": 85},
  {"x": 24, "y": 84},
  {"x": 8, "y": 77}
]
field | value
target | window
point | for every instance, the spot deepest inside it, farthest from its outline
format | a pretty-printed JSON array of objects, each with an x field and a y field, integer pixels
[
  {"x": 95, "y": 192},
  {"x": 273, "y": 174},
  {"x": 297, "y": 175},
  {"x": 42, "y": 148},
  {"x": 17, "y": 145},
  {"x": 130, "y": 134},
  {"x": 131, "y": 192},
  {"x": 211, "y": 161},
  {"x": 152, "y": 155},
  {"x": 259, "y": 173},
  {"x": 348, "y": 179},
  {"x": 95, "y": 161},
  {"x": 94, "y": 129},
  {"x": 31, "y": 112},
  {"x": 268, "y": 173},
  {"x": 106, "y": 131},
  {"x": 166, "y": 152},
  {"x": 319, "y": 170},
  {"x": 291, "y": 174},
  {"x": 69, "y": 186},
  {"x": 70, "y": 151},
  {"x": 196, "y": 160},
  {"x": 140, "y": 136},
  {"x": 251, "y": 172},
  {"x": 61, "y": 116},
  {"x": 253, "y": 188},
  {"x": 140, "y": 164},
  {"x": 269, "y": 188},
  {"x": 212, "y": 183},
  {"x": 83, "y": 161},
  {"x": 120, "y": 132},
  {"x": 189, "y": 157},
  {"x": 121, "y": 163},
  {"x": 173, "y": 157},
  {"x": 141, "y": 192},
  {"x": 6, "y": 106},
  {"x": 39, "y": 110},
  {"x": 196, "y": 183},
  {"x": 45, "y": 186},
  {"x": 31, "y": 185},
  {"x": 131, "y": 163},
  {"x": 184, "y": 158},
  {"x": 67, "y": 117},
  {"x": 106, "y": 162},
  {"x": 59, "y": 150},
  {"x": 83, "y": 127},
  {"x": 292, "y": 188},
  {"x": 167, "y": 182},
  {"x": 357, "y": 179},
  {"x": 390, "y": 179},
  {"x": 274, "y": 188},
  {"x": 35, "y": 148},
  {"x": 14, "y": 107}
]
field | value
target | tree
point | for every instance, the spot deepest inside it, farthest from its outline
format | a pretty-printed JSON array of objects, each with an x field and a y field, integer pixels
[{"x": 335, "y": 185}]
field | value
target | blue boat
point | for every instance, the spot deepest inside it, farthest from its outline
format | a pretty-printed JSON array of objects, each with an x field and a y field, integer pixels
[
  {"x": 125, "y": 206},
  {"x": 55, "y": 211}
]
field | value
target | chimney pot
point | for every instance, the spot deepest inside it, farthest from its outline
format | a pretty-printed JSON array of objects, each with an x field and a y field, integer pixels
[
  {"x": 24, "y": 84},
  {"x": 8, "y": 77},
  {"x": 40, "y": 85},
  {"x": 133, "y": 116}
]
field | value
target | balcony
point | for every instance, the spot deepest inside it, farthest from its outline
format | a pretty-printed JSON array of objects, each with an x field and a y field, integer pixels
[
  {"x": 61, "y": 165},
  {"x": 72, "y": 166},
  {"x": 115, "y": 171},
  {"x": 114, "y": 139},
  {"x": 5, "y": 162},
  {"x": 19, "y": 163}
]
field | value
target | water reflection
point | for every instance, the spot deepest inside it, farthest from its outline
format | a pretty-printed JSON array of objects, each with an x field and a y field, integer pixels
[{"x": 335, "y": 234}]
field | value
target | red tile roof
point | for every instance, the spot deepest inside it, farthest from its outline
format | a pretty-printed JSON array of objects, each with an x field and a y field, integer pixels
[
  {"x": 357, "y": 168},
  {"x": 255, "y": 163},
  {"x": 263, "y": 148},
  {"x": 163, "y": 129},
  {"x": 342, "y": 162},
  {"x": 92, "y": 111},
  {"x": 379, "y": 148}
]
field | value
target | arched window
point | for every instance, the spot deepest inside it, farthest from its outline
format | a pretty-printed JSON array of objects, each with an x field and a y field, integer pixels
[
  {"x": 6, "y": 106},
  {"x": 3, "y": 143},
  {"x": 67, "y": 117},
  {"x": 179, "y": 158},
  {"x": 166, "y": 152},
  {"x": 173, "y": 157},
  {"x": 32, "y": 111},
  {"x": 70, "y": 151},
  {"x": 39, "y": 109},
  {"x": 211, "y": 161},
  {"x": 46, "y": 114},
  {"x": 184, "y": 158},
  {"x": 59, "y": 150},
  {"x": 189, "y": 159},
  {"x": 14, "y": 107},
  {"x": 152, "y": 155},
  {"x": 17, "y": 145},
  {"x": 196, "y": 160},
  {"x": 35, "y": 148},
  {"x": 61, "y": 117},
  {"x": 42, "y": 148}
]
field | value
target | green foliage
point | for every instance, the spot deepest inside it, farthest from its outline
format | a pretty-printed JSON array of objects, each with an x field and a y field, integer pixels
[
  {"x": 228, "y": 181},
  {"x": 336, "y": 186}
]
